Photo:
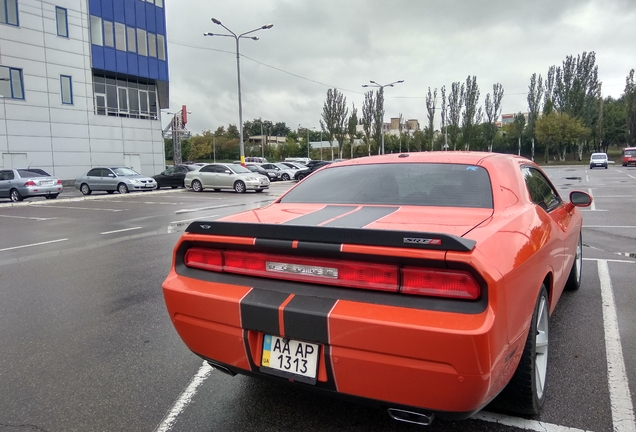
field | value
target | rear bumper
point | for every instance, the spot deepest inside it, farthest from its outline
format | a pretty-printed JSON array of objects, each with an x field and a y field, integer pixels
[
  {"x": 449, "y": 363},
  {"x": 33, "y": 191}
]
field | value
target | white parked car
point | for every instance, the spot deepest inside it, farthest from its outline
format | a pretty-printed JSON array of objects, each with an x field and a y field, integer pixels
[
  {"x": 599, "y": 160},
  {"x": 225, "y": 176}
]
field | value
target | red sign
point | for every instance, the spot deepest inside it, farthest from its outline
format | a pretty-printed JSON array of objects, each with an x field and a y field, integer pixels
[{"x": 184, "y": 114}]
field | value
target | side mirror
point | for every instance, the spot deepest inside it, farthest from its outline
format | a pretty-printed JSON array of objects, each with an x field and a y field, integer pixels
[
  {"x": 111, "y": 175},
  {"x": 579, "y": 199},
  {"x": 228, "y": 172}
]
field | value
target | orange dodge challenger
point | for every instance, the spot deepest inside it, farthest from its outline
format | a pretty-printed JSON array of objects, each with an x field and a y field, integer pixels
[{"x": 421, "y": 283}]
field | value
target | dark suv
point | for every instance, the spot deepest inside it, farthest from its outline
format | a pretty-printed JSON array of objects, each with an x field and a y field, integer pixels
[{"x": 310, "y": 167}]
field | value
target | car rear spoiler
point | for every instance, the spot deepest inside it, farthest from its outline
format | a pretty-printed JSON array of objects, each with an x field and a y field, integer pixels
[{"x": 285, "y": 235}]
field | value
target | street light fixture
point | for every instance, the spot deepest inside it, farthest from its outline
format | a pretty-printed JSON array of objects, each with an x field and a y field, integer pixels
[
  {"x": 381, "y": 87},
  {"x": 238, "y": 71}
]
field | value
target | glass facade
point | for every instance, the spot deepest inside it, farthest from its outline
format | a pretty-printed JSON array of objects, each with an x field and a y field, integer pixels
[
  {"x": 124, "y": 97},
  {"x": 61, "y": 19},
  {"x": 11, "y": 85}
]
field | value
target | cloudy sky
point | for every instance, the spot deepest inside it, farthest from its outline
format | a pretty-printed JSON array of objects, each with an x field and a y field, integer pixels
[{"x": 322, "y": 44}]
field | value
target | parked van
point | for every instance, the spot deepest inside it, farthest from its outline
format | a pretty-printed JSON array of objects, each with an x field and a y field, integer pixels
[
  {"x": 255, "y": 159},
  {"x": 629, "y": 156}
]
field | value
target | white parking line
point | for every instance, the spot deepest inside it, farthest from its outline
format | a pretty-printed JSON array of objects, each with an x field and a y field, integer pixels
[
  {"x": 121, "y": 230},
  {"x": 609, "y": 226},
  {"x": 629, "y": 175},
  {"x": 27, "y": 217},
  {"x": 201, "y": 209},
  {"x": 184, "y": 398},
  {"x": 193, "y": 219},
  {"x": 593, "y": 205},
  {"x": 522, "y": 423},
  {"x": 33, "y": 244},
  {"x": 82, "y": 208},
  {"x": 620, "y": 396}
]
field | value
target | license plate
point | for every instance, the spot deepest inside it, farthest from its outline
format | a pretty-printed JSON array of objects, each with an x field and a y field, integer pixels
[
  {"x": 290, "y": 358},
  {"x": 149, "y": 185},
  {"x": 50, "y": 182}
]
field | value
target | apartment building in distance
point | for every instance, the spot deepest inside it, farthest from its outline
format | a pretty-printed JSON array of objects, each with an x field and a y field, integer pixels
[{"x": 82, "y": 84}]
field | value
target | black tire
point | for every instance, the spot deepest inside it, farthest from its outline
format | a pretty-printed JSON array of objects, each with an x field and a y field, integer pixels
[
  {"x": 591, "y": 167},
  {"x": 122, "y": 188},
  {"x": 259, "y": 190},
  {"x": 15, "y": 195},
  {"x": 525, "y": 393},
  {"x": 110, "y": 192},
  {"x": 85, "y": 189},
  {"x": 217, "y": 190},
  {"x": 172, "y": 187},
  {"x": 197, "y": 186},
  {"x": 574, "y": 280},
  {"x": 51, "y": 196},
  {"x": 301, "y": 176},
  {"x": 284, "y": 177},
  {"x": 239, "y": 187},
  {"x": 605, "y": 166}
]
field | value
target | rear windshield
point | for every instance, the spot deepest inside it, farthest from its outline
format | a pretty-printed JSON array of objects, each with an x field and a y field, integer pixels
[
  {"x": 630, "y": 152},
  {"x": 446, "y": 185},
  {"x": 32, "y": 173},
  {"x": 599, "y": 156}
]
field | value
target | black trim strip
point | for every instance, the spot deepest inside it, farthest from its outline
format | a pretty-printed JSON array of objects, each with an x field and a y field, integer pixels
[
  {"x": 327, "y": 247},
  {"x": 337, "y": 235},
  {"x": 286, "y": 244},
  {"x": 361, "y": 218},
  {"x": 322, "y": 215},
  {"x": 259, "y": 310},
  {"x": 305, "y": 318}
]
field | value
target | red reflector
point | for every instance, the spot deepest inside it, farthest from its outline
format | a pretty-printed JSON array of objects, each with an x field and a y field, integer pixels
[
  {"x": 59, "y": 182},
  {"x": 30, "y": 183},
  {"x": 440, "y": 283},
  {"x": 206, "y": 259}
]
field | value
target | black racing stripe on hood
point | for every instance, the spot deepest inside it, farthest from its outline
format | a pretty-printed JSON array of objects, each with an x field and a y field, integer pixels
[
  {"x": 362, "y": 217},
  {"x": 259, "y": 310},
  {"x": 305, "y": 318},
  {"x": 320, "y": 216}
]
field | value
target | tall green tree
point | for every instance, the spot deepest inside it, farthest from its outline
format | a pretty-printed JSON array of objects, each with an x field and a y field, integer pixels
[
  {"x": 518, "y": 126},
  {"x": 535, "y": 95},
  {"x": 368, "y": 108},
  {"x": 334, "y": 116},
  {"x": 629, "y": 98},
  {"x": 493, "y": 110},
  {"x": 455, "y": 105},
  {"x": 431, "y": 105},
  {"x": 472, "y": 114},
  {"x": 378, "y": 118},
  {"x": 351, "y": 127}
]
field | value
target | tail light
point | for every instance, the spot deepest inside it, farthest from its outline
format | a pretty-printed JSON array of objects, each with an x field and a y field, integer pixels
[
  {"x": 59, "y": 181},
  {"x": 30, "y": 183},
  {"x": 351, "y": 274}
]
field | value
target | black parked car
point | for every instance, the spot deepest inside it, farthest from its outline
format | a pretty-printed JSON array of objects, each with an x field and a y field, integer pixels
[
  {"x": 173, "y": 176},
  {"x": 311, "y": 167},
  {"x": 258, "y": 170}
]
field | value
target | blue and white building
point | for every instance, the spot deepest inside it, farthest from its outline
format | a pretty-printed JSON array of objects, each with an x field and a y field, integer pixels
[{"x": 82, "y": 84}]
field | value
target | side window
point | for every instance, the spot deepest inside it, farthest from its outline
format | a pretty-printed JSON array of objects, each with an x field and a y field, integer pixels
[
  {"x": 6, "y": 175},
  {"x": 9, "y": 12},
  {"x": 61, "y": 18},
  {"x": 97, "y": 32},
  {"x": 95, "y": 172},
  {"x": 170, "y": 171},
  {"x": 106, "y": 172},
  {"x": 541, "y": 191},
  {"x": 207, "y": 168},
  {"x": 66, "y": 86}
]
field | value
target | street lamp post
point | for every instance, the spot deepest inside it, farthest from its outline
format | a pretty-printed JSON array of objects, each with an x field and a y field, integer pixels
[
  {"x": 381, "y": 87},
  {"x": 238, "y": 72}
]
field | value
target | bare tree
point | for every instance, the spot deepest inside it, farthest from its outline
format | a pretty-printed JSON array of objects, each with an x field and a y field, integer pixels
[
  {"x": 535, "y": 94},
  {"x": 368, "y": 108},
  {"x": 334, "y": 114},
  {"x": 548, "y": 105},
  {"x": 431, "y": 101},
  {"x": 493, "y": 110}
]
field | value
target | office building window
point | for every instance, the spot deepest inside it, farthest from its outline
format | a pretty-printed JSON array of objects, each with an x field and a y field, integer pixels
[
  {"x": 124, "y": 98},
  {"x": 159, "y": 3},
  {"x": 109, "y": 41},
  {"x": 161, "y": 47},
  {"x": 61, "y": 19},
  {"x": 142, "y": 44},
  {"x": 97, "y": 36},
  {"x": 132, "y": 39},
  {"x": 120, "y": 36},
  {"x": 11, "y": 83},
  {"x": 9, "y": 12},
  {"x": 66, "y": 84},
  {"x": 152, "y": 45}
]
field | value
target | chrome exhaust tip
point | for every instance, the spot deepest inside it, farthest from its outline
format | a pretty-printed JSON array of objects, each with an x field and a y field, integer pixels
[
  {"x": 221, "y": 368},
  {"x": 411, "y": 417}
]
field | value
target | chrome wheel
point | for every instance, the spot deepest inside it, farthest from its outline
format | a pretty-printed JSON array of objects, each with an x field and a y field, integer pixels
[
  {"x": 15, "y": 195},
  {"x": 284, "y": 177},
  {"x": 541, "y": 344},
  {"x": 197, "y": 186},
  {"x": 85, "y": 189},
  {"x": 239, "y": 187},
  {"x": 122, "y": 188}
]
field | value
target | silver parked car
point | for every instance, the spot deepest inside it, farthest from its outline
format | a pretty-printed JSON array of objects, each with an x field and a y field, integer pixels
[
  {"x": 283, "y": 172},
  {"x": 17, "y": 184},
  {"x": 120, "y": 179},
  {"x": 225, "y": 176}
]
